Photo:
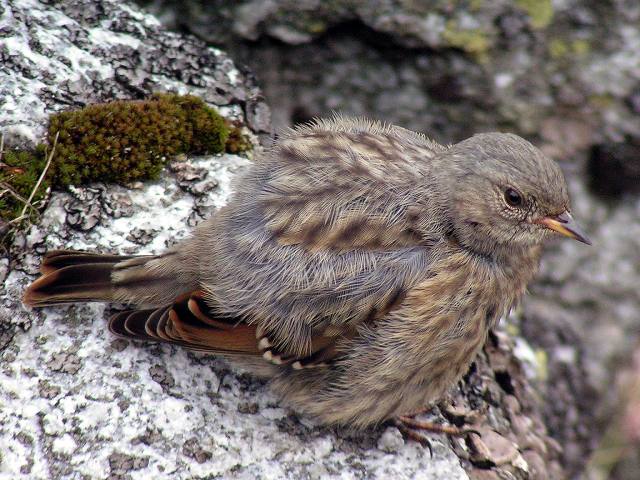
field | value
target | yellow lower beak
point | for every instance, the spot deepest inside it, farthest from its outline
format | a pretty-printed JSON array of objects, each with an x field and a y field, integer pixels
[{"x": 565, "y": 225}]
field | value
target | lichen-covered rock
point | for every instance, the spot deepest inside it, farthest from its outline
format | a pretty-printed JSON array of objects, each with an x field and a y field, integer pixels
[
  {"x": 429, "y": 65},
  {"x": 102, "y": 407},
  {"x": 60, "y": 57}
]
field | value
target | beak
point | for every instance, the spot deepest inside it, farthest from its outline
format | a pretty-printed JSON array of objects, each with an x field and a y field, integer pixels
[{"x": 565, "y": 225}]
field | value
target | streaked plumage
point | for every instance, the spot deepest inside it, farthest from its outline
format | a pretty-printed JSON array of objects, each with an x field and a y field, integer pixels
[{"x": 358, "y": 265}]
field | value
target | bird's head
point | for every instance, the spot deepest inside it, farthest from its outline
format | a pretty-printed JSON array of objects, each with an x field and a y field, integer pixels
[{"x": 504, "y": 193}]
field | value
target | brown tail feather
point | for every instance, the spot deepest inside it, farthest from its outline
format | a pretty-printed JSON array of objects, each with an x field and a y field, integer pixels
[
  {"x": 57, "y": 259},
  {"x": 70, "y": 276},
  {"x": 76, "y": 283}
]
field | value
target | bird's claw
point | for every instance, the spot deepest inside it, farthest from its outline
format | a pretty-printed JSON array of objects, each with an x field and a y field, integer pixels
[
  {"x": 410, "y": 427},
  {"x": 412, "y": 434}
]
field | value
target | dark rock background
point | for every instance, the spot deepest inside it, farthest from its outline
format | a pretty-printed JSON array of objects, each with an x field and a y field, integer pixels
[{"x": 566, "y": 75}]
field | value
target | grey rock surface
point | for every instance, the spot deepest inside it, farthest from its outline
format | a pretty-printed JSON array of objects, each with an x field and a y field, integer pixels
[
  {"x": 450, "y": 68},
  {"x": 77, "y": 403},
  {"x": 565, "y": 74}
]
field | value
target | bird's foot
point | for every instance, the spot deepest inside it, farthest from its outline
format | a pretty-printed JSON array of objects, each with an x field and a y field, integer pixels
[
  {"x": 412, "y": 434},
  {"x": 411, "y": 428},
  {"x": 452, "y": 430}
]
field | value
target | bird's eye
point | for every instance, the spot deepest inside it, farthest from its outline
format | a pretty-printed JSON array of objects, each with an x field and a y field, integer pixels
[{"x": 512, "y": 197}]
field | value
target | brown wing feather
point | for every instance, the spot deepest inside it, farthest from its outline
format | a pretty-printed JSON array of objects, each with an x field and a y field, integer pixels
[
  {"x": 189, "y": 322},
  {"x": 180, "y": 325}
]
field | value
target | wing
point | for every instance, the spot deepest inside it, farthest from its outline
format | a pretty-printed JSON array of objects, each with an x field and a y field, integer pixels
[
  {"x": 191, "y": 323},
  {"x": 330, "y": 228}
]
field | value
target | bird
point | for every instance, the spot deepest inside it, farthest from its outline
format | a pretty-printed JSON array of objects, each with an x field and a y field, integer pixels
[{"x": 357, "y": 265}]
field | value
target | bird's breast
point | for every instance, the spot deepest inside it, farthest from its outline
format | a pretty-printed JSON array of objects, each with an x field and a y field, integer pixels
[{"x": 444, "y": 320}]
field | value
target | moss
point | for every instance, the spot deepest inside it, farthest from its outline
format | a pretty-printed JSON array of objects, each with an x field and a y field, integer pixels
[
  {"x": 120, "y": 141},
  {"x": 542, "y": 361},
  {"x": 316, "y": 27},
  {"x": 512, "y": 329},
  {"x": 475, "y": 42},
  {"x": 559, "y": 49},
  {"x": 207, "y": 130},
  {"x": 19, "y": 174},
  {"x": 540, "y": 12},
  {"x": 237, "y": 142},
  {"x": 475, "y": 5},
  {"x": 580, "y": 47},
  {"x": 602, "y": 101},
  {"x": 123, "y": 141}
]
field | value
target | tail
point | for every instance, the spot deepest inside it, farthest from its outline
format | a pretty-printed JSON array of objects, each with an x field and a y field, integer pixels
[
  {"x": 70, "y": 276},
  {"x": 180, "y": 318},
  {"x": 175, "y": 311}
]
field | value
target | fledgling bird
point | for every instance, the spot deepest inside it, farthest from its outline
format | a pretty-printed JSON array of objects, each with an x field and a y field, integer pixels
[{"x": 358, "y": 265}]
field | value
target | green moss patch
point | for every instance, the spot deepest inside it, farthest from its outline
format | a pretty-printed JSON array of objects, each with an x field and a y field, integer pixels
[
  {"x": 124, "y": 141},
  {"x": 237, "y": 142},
  {"x": 475, "y": 42},
  {"x": 19, "y": 174},
  {"x": 120, "y": 141},
  {"x": 561, "y": 49},
  {"x": 540, "y": 12}
]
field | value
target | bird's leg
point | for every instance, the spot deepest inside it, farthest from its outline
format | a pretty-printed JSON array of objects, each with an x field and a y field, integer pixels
[{"x": 415, "y": 413}]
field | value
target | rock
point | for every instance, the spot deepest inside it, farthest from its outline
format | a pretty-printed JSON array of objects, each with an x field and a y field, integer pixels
[
  {"x": 77, "y": 54},
  {"x": 83, "y": 212},
  {"x": 192, "y": 449},
  {"x": 191, "y": 179},
  {"x": 430, "y": 65},
  {"x": 484, "y": 475},
  {"x": 121, "y": 463},
  {"x": 614, "y": 169},
  {"x": 160, "y": 375},
  {"x": 536, "y": 465},
  {"x": 491, "y": 448},
  {"x": 391, "y": 440},
  {"x": 47, "y": 390},
  {"x": 142, "y": 236},
  {"x": 65, "y": 362}
]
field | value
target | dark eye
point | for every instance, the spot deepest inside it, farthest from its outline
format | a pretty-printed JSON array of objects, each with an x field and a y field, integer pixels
[{"x": 512, "y": 197}]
